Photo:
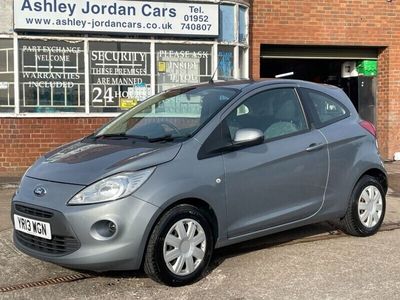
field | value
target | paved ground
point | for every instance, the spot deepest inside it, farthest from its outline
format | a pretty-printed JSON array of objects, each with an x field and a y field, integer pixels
[{"x": 314, "y": 262}]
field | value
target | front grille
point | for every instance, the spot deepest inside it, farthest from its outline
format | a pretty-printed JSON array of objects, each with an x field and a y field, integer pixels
[
  {"x": 58, "y": 245},
  {"x": 33, "y": 211}
]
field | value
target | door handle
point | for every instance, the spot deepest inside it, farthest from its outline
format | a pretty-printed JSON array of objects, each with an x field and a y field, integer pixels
[{"x": 315, "y": 146}]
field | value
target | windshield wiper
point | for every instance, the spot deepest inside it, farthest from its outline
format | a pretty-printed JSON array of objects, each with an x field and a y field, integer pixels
[
  {"x": 166, "y": 138},
  {"x": 124, "y": 136},
  {"x": 120, "y": 135}
]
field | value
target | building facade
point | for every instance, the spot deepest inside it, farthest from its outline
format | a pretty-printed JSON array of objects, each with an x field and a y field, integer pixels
[{"x": 59, "y": 83}]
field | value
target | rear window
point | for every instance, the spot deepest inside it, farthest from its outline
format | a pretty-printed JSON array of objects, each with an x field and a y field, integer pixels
[{"x": 327, "y": 109}]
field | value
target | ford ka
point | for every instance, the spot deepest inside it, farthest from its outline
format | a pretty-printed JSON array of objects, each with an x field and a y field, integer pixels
[{"x": 201, "y": 167}]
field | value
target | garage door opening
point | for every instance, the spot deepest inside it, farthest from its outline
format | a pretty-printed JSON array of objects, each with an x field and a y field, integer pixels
[{"x": 352, "y": 69}]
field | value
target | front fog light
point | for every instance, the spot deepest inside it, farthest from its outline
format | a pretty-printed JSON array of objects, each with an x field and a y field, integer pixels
[
  {"x": 104, "y": 230},
  {"x": 112, "y": 228},
  {"x": 112, "y": 188}
]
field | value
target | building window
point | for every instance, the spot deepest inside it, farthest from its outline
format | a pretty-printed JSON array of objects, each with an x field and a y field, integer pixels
[
  {"x": 178, "y": 64},
  {"x": 51, "y": 76},
  {"x": 225, "y": 62},
  {"x": 120, "y": 75},
  {"x": 227, "y": 23},
  {"x": 7, "y": 102},
  {"x": 243, "y": 31}
]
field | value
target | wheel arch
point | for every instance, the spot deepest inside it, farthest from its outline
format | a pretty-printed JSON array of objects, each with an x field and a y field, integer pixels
[
  {"x": 379, "y": 175},
  {"x": 201, "y": 204},
  {"x": 204, "y": 206},
  {"x": 350, "y": 223},
  {"x": 375, "y": 170}
]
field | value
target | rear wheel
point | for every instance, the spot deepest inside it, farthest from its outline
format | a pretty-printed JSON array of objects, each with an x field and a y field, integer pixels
[
  {"x": 366, "y": 209},
  {"x": 180, "y": 246}
]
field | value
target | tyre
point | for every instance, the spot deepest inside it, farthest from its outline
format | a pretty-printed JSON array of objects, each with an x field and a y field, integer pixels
[
  {"x": 180, "y": 246},
  {"x": 366, "y": 209}
]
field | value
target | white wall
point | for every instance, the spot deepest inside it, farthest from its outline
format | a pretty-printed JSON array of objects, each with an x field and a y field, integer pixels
[{"x": 6, "y": 16}]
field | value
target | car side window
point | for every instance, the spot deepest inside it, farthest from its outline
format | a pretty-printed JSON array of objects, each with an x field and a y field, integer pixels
[
  {"x": 328, "y": 110},
  {"x": 276, "y": 113}
]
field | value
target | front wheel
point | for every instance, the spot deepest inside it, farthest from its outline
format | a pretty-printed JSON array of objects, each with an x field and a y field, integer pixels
[
  {"x": 180, "y": 246},
  {"x": 366, "y": 209}
]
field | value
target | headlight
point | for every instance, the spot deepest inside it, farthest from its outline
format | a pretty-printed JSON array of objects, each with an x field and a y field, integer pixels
[{"x": 112, "y": 188}]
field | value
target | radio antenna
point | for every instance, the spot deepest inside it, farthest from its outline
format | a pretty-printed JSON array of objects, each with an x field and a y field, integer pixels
[{"x": 211, "y": 81}]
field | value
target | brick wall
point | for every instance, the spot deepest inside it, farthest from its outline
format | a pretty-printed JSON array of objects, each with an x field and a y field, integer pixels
[
  {"x": 23, "y": 140},
  {"x": 341, "y": 23}
]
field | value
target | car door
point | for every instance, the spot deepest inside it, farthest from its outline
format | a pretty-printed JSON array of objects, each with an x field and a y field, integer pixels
[{"x": 282, "y": 180}]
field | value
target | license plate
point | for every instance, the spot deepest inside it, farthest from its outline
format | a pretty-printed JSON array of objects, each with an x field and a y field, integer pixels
[{"x": 32, "y": 227}]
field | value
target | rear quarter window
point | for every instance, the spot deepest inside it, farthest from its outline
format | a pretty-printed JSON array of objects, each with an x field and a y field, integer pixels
[{"x": 325, "y": 109}]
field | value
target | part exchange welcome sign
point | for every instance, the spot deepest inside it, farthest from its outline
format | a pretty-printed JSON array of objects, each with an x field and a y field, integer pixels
[{"x": 133, "y": 17}]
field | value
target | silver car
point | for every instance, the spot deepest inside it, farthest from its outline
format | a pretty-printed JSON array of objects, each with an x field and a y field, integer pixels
[{"x": 198, "y": 168}]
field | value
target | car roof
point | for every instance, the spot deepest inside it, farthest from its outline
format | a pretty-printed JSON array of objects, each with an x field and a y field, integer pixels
[
  {"x": 253, "y": 84},
  {"x": 250, "y": 85}
]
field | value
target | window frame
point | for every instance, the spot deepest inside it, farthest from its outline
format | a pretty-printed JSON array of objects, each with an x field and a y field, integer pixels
[
  {"x": 263, "y": 90},
  {"x": 11, "y": 72},
  {"x": 23, "y": 89},
  {"x": 315, "y": 120},
  {"x": 235, "y": 23},
  {"x": 217, "y": 142},
  {"x": 92, "y": 44}
]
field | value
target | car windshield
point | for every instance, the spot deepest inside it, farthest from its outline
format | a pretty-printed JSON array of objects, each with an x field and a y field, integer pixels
[{"x": 174, "y": 114}]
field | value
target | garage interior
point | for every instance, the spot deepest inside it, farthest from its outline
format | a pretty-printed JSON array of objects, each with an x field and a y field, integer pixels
[{"x": 354, "y": 69}]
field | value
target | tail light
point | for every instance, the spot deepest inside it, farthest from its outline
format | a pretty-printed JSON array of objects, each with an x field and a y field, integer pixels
[{"x": 368, "y": 126}]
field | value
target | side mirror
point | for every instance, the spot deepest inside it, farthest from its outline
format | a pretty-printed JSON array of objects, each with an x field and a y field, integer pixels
[{"x": 248, "y": 137}]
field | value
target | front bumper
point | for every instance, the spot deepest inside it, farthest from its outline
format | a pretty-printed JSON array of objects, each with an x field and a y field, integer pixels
[{"x": 74, "y": 242}]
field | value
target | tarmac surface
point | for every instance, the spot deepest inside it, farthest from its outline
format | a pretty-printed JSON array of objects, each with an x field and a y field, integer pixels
[{"x": 312, "y": 262}]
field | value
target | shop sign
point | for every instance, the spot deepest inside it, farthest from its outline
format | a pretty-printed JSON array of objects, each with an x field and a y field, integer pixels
[
  {"x": 127, "y": 103},
  {"x": 133, "y": 17},
  {"x": 50, "y": 66},
  {"x": 179, "y": 67},
  {"x": 119, "y": 77}
]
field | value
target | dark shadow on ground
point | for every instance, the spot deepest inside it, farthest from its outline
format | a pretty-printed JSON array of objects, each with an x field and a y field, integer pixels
[{"x": 274, "y": 240}]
